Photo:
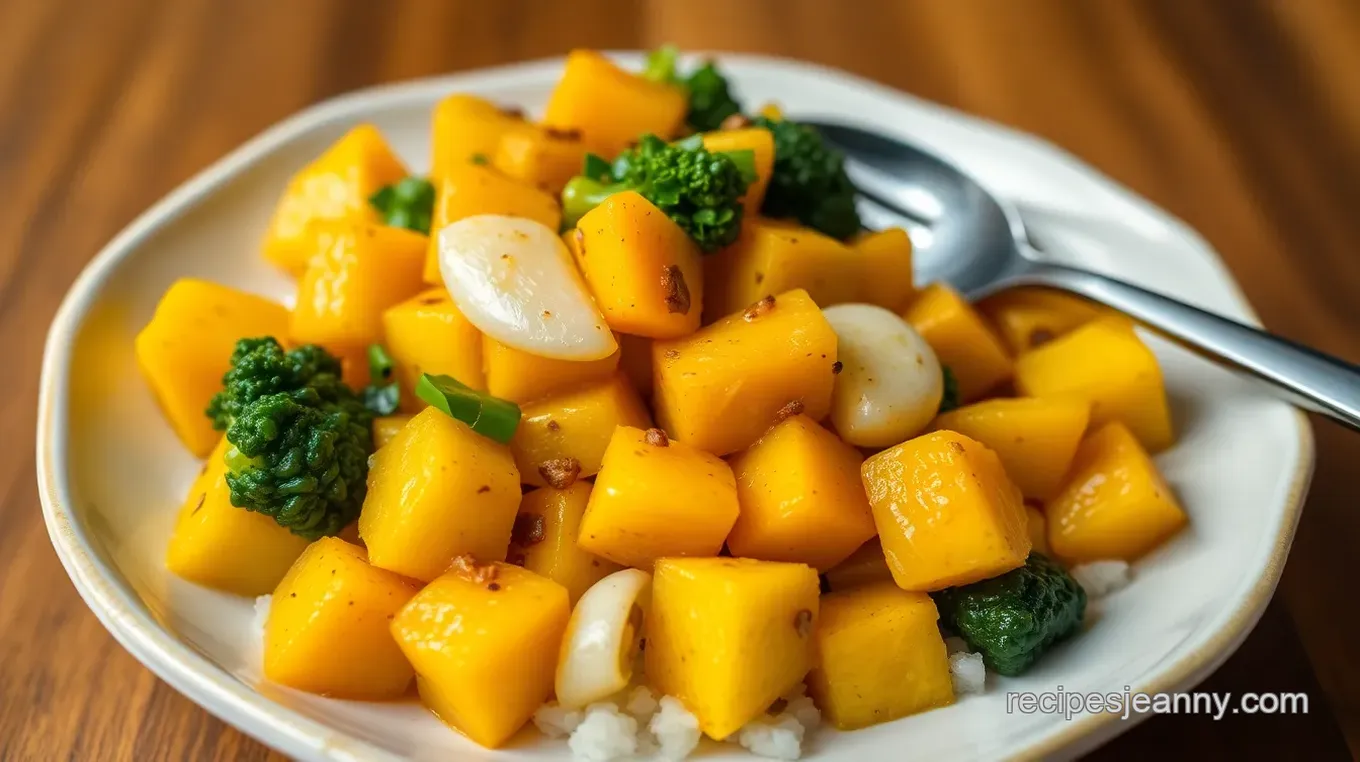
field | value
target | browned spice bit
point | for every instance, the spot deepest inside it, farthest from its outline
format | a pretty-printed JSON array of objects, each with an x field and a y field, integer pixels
[
  {"x": 657, "y": 438},
  {"x": 677, "y": 293},
  {"x": 466, "y": 566},
  {"x": 759, "y": 308},
  {"x": 429, "y": 300},
  {"x": 528, "y": 530},
  {"x": 547, "y": 313},
  {"x": 493, "y": 587},
  {"x": 201, "y": 499},
  {"x": 579, "y": 237},
  {"x": 1040, "y": 336},
  {"x": 735, "y": 122},
  {"x": 554, "y": 426},
  {"x": 802, "y": 622},
  {"x": 557, "y": 133},
  {"x": 794, "y": 407},
  {"x": 514, "y": 112},
  {"x": 837, "y": 366},
  {"x": 560, "y": 473},
  {"x": 760, "y": 278},
  {"x": 672, "y": 354},
  {"x": 485, "y": 488},
  {"x": 956, "y": 447}
]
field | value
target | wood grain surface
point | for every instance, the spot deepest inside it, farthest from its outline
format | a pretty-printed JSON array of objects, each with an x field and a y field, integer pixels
[{"x": 1241, "y": 117}]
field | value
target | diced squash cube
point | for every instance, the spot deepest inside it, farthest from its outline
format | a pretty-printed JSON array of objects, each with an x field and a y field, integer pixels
[
  {"x": 720, "y": 388},
  {"x": 886, "y": 262},
  {"x": 655, "y": 498},
  {"x": 946, "y": 512},
  {"x": 467, "y": 190},
  {"x": 544, "y": 540},
  {"x": 880, "y": 657},
  {"x": 774, "y": 256},
  {"x": 329, "y": 627},
  {"x": 760, "y": 142},
  {"x": 516, "y": 375},
  {"x": 1038, "y": 529},
  {"x": 960, "y": 338},
  {"x": 574, "y": 425},
  {"x": 483, "y": 641},
  {"x": 1116, "y": 503},
  {"x": 612, "y": 107},
  {"x": 429, "y": 334},
  {"x": 635, "y": 358},
  {"x": 347, "y": 287},
  {"x": 1036, "y": 438},
  {"x": 644, "y": 271},
  {"x": 437, "y": 491},
  {"x": 865, "y": 566},
  {"x": 541, "y": 156},
  {"x": 353, "y": 364},
  {"x": 1105, "y": 363},
  {"x": 1028, "y": 317},
  {"x": 801, "y": 498},
  {"x": 187, "y": 346},
  {"x": 728, "y": 636},
  {"x": 217, "y": 545},
  {"x": 334, "y": 187},
  {"x": 385, "y": 428},
  {"x": 465, "y": 128}
]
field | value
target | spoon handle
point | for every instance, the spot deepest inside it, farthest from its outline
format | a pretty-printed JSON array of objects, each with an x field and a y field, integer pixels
[{"x": 1308, "y": 378}]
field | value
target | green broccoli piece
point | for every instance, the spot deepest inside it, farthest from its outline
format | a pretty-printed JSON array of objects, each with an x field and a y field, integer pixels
[
  {"x": 950, "y": 400},
  {"x": 1014, "y": 618},
  {"x": 699, "y": 190},
  {"x": 809, "y": 182},
  {"x": 408, "y": 203},
  {"x": 260, "y": 367},
  {"x": 710, "y": 95}
]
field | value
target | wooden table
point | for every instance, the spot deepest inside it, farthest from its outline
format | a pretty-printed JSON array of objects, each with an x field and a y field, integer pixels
[{"x": 1242, "y": 118}]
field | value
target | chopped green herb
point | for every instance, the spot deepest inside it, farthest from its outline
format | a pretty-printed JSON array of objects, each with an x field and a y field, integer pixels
[
  {"x": 382, "y": 395},
  {"x": 408, "y": 203},
  {"x": 950, "y": 400},
  {"x": 489, "y": 416},
  {"x": 480, "y": 159}
]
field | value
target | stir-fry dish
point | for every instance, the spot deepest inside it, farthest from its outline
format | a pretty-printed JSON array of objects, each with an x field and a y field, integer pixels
[{"x": 619, "y": 424}]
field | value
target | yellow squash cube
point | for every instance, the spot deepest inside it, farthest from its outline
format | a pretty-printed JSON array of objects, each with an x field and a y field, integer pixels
[
  {"x": 801, "y": 498},
  {"x": 468, "y": 189},
  {"x": 774, "y": 256},
  {"x": 329, "y": 626},
  {"x": 187, "y": 346},
  {"x": 429, "y": 334},
  {"x": 465, "y": 127},
  {"x": 728, "y": 636},
  {"x": 880, "y": 657},
  {"x": 635, "y": 358},
  {"x": 1036, "y": 438},
  {"x": 1105, "y": 363},
  {"x": 961, "y": 340},
  {"x": 334, "y": 187},
  {"x": 1038, "y": 529},
  {"x": 574, "y": 425},
  {"x": 544, "y": 540},
  {"x": 1115, "y": 505},
  {"x": 886, "y": 262},
  {"x": 947, "y": 514},
  {"x": 644, "y": 271},
  {"x": 483, "y": 641},
  {"x": 865, "y": 566},
  {"x": 516, "y": 375},
  {"x": 654, "y": 498},
  {"x": 720, "y": 388},
  {"x": 217, "y": 545},
  {"x": 385, "y": 428},
  {"x": 1028, "y": 317},
  {"x": 540, "y": 156},
  {"x": 612, "y": 107},
  {"x": 437, "y": 491},
  {"x": 760, "y": 142},
  {"x": 364, "y": 270}
]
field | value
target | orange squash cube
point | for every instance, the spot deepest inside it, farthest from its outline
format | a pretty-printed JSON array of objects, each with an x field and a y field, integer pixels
[
  {"x": 865, "y": 566},
  {"x": 1116, "y": 503},
  {"x": 635, "y": 358},
  {"x": 465, "y": 128},
  {"x": 329, "y": 626},
  {"x": 774, "y": 256},
  {"x": 885, "y": 261},
  {"x": 187, "y": 346},
  {"x": 800, "y": 496},
  {"x": 516, "y": 375},
  {"x": 612, "y": 107},
  {"x": 760, "y": 142},
  {"x": 428, "y": 334},
  {"x": 1105, "y": 363},
  {"x": 540, "y": 156},
  {"x": 574, "y": 425},
  {"x": 544, "y": 540},
  {"x": 644, "y": 271},
  {"x": 719, "y": 389},
  {"x": 1038, "y": 529},
  {"x": 946, "y": 512},
  {"x": 961, "y": 340},
  {"x": 385, "y": 428},
  {"x": 654, "y": 498},
  {"x": 1036, "y": 438},
  {"x": 1025, "y": 318}
]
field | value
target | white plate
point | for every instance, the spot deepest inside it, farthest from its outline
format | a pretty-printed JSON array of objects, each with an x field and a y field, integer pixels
[{"x": 112, "y": 475}]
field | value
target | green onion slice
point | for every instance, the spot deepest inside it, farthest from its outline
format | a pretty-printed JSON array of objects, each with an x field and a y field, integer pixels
[{"x": 489, "y": 416}]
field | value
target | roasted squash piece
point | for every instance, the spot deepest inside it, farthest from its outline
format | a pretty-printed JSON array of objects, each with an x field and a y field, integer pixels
[
  {"x": 466, "y": 128},
  {"x": 570, "y": 430},
  {"x": 1116, "y": 503},
  {"x": 187, "y": 346},
  {"x": 760, "y": 143},
  {"x": 728, "y": 636},
  {"x": 329, "y": 625},
  {"x": 635, "y": 358},
  {"x": 516, "y": 375},
  {"x": 654, "y": 497},
  {"x": 946, "y": 512},
  {"x": 334, "y": 187},
  {"x": 437, "y": 491},
  {"x": 612, "y": 107},
  {"x": 961, "y": 340},
  {"x": 1026, "y": 318},
  {"x": 879, "y": 657},
  {"x": 774, "y": 256},
  {"x": 1036, "y": 438},
  {"x": 428, "y": 334},
  {"x": 865, "y": 566},
  {"x": 801, "y": 498},
  {"x": 541, "y": 156},
  {"x": 544, "y": 540},
  {"x": 721, "y": 387},
  {"x": 885, "y": 262},
  {"x": 1038, "y": 529},
  {"x": 643, "y": 269},
  {"x": 483, "y": 640},
  {"x": 385, "y": 428}
]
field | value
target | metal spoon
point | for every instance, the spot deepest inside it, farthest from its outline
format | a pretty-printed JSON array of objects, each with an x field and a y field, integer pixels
[{"x": 977, "y": 243}]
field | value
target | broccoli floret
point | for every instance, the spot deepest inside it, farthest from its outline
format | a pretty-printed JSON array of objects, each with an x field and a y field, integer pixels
[
  {"x": 809, "y": 181},
  {"x": 407, "y": 203},
  {"x": 260, "y": 367},
  {"x": 950, "y": 400},
  {"x": 710, "y": 96},
  {"x": 699, "y": 190},
  {"x": 1014, "y": 618}
]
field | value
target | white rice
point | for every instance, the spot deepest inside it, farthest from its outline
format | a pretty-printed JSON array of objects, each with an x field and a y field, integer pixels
[
  {"x": 955, "y": 645},
  {"x": 554, "y": 721},
  {"x": 675, "y": 729},
  {"x": 605, "y": 734},
  {"x": 1100, "y": 578},
  {"x": 968, "y": 672}
]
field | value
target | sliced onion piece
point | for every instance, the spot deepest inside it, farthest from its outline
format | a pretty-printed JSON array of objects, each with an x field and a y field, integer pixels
[
  {"x": 515, "y": 280},
  {"x": 602, "y": 639}
]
